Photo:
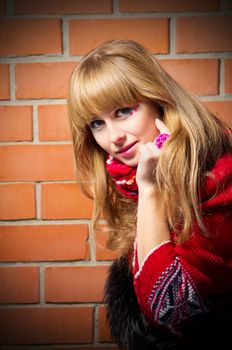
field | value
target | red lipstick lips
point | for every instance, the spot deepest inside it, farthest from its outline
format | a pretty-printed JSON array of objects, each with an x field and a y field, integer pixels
[{"x": 125, "y": 148}]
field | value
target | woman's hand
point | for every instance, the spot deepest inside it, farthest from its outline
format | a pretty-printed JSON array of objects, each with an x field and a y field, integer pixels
[
  {"x": 152, "y": 226},
  {"x": 149, "y": 155}
]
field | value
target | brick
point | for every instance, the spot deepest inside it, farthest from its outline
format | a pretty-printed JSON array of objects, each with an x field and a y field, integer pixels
[
  {"x": 42, "y": 80},
  {"x": 168, "y": 5},
  {"x": 46, "y": 325},
  {"x": 65, "y": 201},
  {"x": 30, "y": 36},
  {"x": 222, "y": 109},
  {"x": 50, "y": 162},
  {"x": 19, "y": 284},
  {"x": 102, "y": 253},
  {"x": 53, "y": 123},
  {"x": 87, "y": 34},
  {"x": 17, "y": 201},
  {"x": 2, "y": 7},
  {"x": 104, "y": 331},
  {"x": 204, "y": 34},
  {"x": 199, "y": 76},
  {"x": 16, "y": 123},
  {"x": 228, "y": 76},
  {"x": 44, "y": 243},
  {"x": 4, "y": 82},
  {"x": 64, "y": 7},
  {"x": 75, "y": 283}
]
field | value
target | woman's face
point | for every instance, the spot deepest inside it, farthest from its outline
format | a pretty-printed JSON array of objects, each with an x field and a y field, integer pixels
[{"x": 122, "y": 131}]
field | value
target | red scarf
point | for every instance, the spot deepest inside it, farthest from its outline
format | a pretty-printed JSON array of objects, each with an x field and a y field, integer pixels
[{"x": 123, "y": 176}]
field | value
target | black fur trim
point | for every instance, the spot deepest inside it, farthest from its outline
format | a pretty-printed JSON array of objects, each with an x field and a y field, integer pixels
[
  {"x": 130, "y": 329},
  {"x": 128, "y": 325}
]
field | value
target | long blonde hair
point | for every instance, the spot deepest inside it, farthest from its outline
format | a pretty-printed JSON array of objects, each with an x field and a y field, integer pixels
[{"x": 120, "y": 73}]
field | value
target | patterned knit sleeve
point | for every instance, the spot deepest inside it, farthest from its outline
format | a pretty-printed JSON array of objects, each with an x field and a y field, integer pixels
[
  {"x": 175, "y": 282},
  {"x": 170, "y": 288}
]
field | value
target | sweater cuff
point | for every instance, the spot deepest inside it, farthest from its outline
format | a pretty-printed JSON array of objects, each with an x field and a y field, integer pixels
[
  {"x": 147, "y": 257},
  {"x": 156, "y": 262}
]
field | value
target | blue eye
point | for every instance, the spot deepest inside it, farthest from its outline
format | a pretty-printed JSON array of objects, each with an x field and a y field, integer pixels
[
  {"x": 96, "y": 124},
  {"x": 124, "y": 111}
]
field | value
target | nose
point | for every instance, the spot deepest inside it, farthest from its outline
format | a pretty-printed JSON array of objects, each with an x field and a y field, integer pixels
[{"x": 117, "y": 136}]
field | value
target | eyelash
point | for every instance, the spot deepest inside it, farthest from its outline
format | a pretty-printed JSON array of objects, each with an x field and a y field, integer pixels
[{"x": 125, "y": 111}]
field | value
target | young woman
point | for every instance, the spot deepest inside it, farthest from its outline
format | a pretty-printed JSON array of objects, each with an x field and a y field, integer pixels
[{"x": 159, "y": 165}]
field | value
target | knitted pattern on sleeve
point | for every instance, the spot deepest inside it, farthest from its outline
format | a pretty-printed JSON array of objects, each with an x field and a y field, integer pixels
[{"x": 176, "y": 282}]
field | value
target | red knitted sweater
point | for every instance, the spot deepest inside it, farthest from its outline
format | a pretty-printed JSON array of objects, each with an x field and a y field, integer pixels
[{"x": 175, "y": 280}]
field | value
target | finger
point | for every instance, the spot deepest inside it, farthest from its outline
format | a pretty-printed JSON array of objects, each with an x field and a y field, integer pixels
[
  {"x": 144, "y": 150},
  {"x": 161, "y": 126},
  {"x": 153, "y": 149},
  {"x": 149, "y": 151}
]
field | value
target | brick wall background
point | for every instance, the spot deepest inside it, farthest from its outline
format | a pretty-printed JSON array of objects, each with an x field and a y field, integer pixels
[{"x": 52, "y": 267}]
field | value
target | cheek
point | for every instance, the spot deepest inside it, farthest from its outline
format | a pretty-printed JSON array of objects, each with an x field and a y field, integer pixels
[
  {"x": 148, "y": 129},
  {"x": 100, "y": 141},
  {"x": 143, "y": 128}
]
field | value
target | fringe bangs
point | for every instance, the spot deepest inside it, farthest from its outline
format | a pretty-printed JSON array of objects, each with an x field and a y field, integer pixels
[{"x": 99, "y": 90}]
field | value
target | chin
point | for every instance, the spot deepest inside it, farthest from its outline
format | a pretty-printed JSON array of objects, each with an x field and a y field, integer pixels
[{"x": 131, "y": 163}]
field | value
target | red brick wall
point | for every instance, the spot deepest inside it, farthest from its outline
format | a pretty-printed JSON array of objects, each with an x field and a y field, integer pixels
[{"x": 52, "y": 266}]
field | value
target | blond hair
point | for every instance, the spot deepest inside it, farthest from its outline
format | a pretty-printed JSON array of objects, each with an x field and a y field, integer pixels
[{"x": 120, "y": 73}]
